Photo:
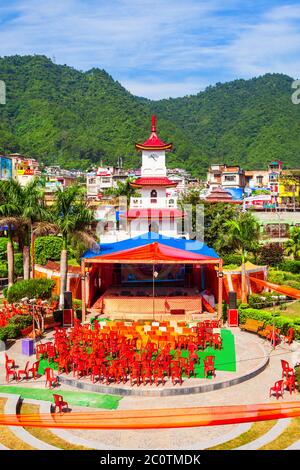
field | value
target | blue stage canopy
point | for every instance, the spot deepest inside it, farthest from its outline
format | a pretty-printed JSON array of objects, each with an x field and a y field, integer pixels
[{"x": 187, "y": 245}]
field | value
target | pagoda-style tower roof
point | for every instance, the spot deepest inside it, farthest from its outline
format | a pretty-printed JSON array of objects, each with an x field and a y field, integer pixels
[
  {"x": 153, "y": 181},
  {"x": 154, "y": 142},
  {"x": 220, "y": 195}
]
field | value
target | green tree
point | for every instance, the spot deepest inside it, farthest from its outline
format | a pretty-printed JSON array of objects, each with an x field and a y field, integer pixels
[
  {"x": 243, "y": 235},
  {"x": 123, "y": 188},
  {"x": 73, "y": 219},
  {"x": 216, "y": 217},
  {"x": 292, "y": 246},
  {"x": 10, "y": 216}
]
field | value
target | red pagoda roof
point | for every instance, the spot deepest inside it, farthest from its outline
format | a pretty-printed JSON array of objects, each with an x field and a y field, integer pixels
[
  {"x": 220, "y": 195},
  {"x": 154, "y": 142},
  {"x": 153, "y": 213},
  {"x": 153, "y": 181}
]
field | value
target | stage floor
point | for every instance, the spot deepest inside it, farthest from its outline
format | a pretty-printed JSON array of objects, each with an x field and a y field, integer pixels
[{"x": 167, "y": 301}]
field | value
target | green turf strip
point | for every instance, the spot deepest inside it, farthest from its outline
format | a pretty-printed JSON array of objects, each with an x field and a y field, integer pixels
[
  {"x": 94, "y": 400},
  {"x": 225, "y": 359}
]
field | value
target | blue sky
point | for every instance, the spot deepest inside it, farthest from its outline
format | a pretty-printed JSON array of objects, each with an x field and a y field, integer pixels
[{"x": 158, "y": 48}]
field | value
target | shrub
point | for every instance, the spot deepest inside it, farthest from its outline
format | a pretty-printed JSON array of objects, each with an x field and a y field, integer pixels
[
  {"x": 292, "y": 266},
  {"x": 232, "y": 259},
  {"x": 33, "y": 288},
  {"x": 271, "y": 254},
  {"x": 264, "y": 300},
  {"x": 77, "y": 304},
  {"x": 284, "y": 323},
  {"x": 3, "y": 269},
  {"x": 293, "y": 283},
  {"x": 22, "y": 321},
  {"x": 297, "y": 373},
  {"x": 47, "y": 248},
  {"x": 9, "y": 332}
]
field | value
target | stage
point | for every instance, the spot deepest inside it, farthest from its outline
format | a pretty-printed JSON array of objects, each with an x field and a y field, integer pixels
[
  {"x": 123, "y": 302},
  {"x": 150, "y": 279}
]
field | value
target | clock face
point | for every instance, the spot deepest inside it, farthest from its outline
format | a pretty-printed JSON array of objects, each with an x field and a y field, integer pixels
[{"x": 154, "y": 156}]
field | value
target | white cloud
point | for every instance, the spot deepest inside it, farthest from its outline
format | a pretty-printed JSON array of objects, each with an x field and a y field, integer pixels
[
  {"x": 157, "y": 48},
  {"x": 160, "y": 90}
]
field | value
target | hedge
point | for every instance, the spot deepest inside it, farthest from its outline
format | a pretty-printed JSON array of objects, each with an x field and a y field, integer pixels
[
  {"x": 33, "y": 288},
  {"x": 284, "y": 323}
]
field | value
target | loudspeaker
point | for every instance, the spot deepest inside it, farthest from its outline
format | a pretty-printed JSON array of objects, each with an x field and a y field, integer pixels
[
  {"x": 232, "y": 300},
  {"x": 233, "y": 317},
  {"x": 67, "y": 299}
]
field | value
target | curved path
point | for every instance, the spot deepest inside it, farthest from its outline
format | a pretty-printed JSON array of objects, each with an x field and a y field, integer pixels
[{"x": 270, "y": 436}]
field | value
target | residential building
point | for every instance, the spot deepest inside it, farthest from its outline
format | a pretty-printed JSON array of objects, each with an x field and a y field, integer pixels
[{"x": 24, "y": 169}]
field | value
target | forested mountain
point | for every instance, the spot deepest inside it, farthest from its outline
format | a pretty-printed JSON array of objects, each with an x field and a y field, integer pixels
[{"x": 60, "y": 115}]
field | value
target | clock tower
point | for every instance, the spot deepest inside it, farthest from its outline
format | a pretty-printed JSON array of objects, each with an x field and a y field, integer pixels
[{"x": 156, "y": 207}]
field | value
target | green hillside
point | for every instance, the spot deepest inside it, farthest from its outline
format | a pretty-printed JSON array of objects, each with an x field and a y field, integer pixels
[{"x": 60, "y": 115}]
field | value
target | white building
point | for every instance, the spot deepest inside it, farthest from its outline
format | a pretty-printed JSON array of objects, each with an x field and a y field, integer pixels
[{"x": 155, "y": 209}]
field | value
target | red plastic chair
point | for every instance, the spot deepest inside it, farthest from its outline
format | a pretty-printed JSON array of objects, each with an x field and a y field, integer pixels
[
  {"x": 24, "y": 371},
  {"x": 147, "y": 375},
  {"x": 277, "y": 389},
  {"x": 10, "y": 363},
  {"x": 217, "y": 341},
  {"x": 286, "y": 368},
  {"x": 10, "y": 372},
  {"x": 290, "y": 383},
  {"x": 51, "y": 380},
  {"x": 176, "y": 375},
  {"x": 209, "y": 366},
  {"x": 159, "y": 376},
  {"x": 189, "y": 368},
  {"x": 96, "y": 371},
  {"x": 59, "y": 403},
  {"x": 289, "y": 338},
  {"x": 34, "y": 369}
]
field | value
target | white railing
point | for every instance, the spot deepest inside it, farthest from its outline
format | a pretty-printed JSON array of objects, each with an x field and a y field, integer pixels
[{"x": 153, "y": 203}]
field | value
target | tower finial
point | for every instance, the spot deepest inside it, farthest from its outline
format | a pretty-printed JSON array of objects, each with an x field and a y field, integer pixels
[{"x": 153, "y": 128}]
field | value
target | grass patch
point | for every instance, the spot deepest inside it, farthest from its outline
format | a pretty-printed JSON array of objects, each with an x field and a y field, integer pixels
[
  {"x": 290, "y": 435},
  {"x": 94, "y": 400},
  {"x": 257, "y": 430},
  {"x": 46, "y": 435},
  {"x": 8, "y": 438},
  {"x": 292, "y": 310}
]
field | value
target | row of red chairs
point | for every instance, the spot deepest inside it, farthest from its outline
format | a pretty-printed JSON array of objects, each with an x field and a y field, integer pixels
[{"x": 18, "y": 374}]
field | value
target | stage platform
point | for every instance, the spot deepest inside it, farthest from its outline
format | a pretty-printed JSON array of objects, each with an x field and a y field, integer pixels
[{"x": 170, "y": 302}]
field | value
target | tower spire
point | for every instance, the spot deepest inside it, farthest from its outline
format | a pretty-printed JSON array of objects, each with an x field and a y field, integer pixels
[{"x": 153, "y": 128}]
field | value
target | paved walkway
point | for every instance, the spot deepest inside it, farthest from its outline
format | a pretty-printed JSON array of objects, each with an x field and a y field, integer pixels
[{"x": 255, "y": 390}]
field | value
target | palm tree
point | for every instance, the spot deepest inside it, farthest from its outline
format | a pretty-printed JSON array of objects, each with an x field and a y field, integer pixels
[
  {"x": 35, "y": 215},
  {"x": 72, "y": 218},
  {"x": 21, "y": 209},
  {"x": 243, "y": 235},
  {"x": 123, "y": 188},
  {"x": 10, "y": 216},
  {"x": 292, "y": 246}
]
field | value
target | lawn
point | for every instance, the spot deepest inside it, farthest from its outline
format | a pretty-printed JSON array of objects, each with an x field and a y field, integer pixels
[{"x": 94, "y": 400}]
